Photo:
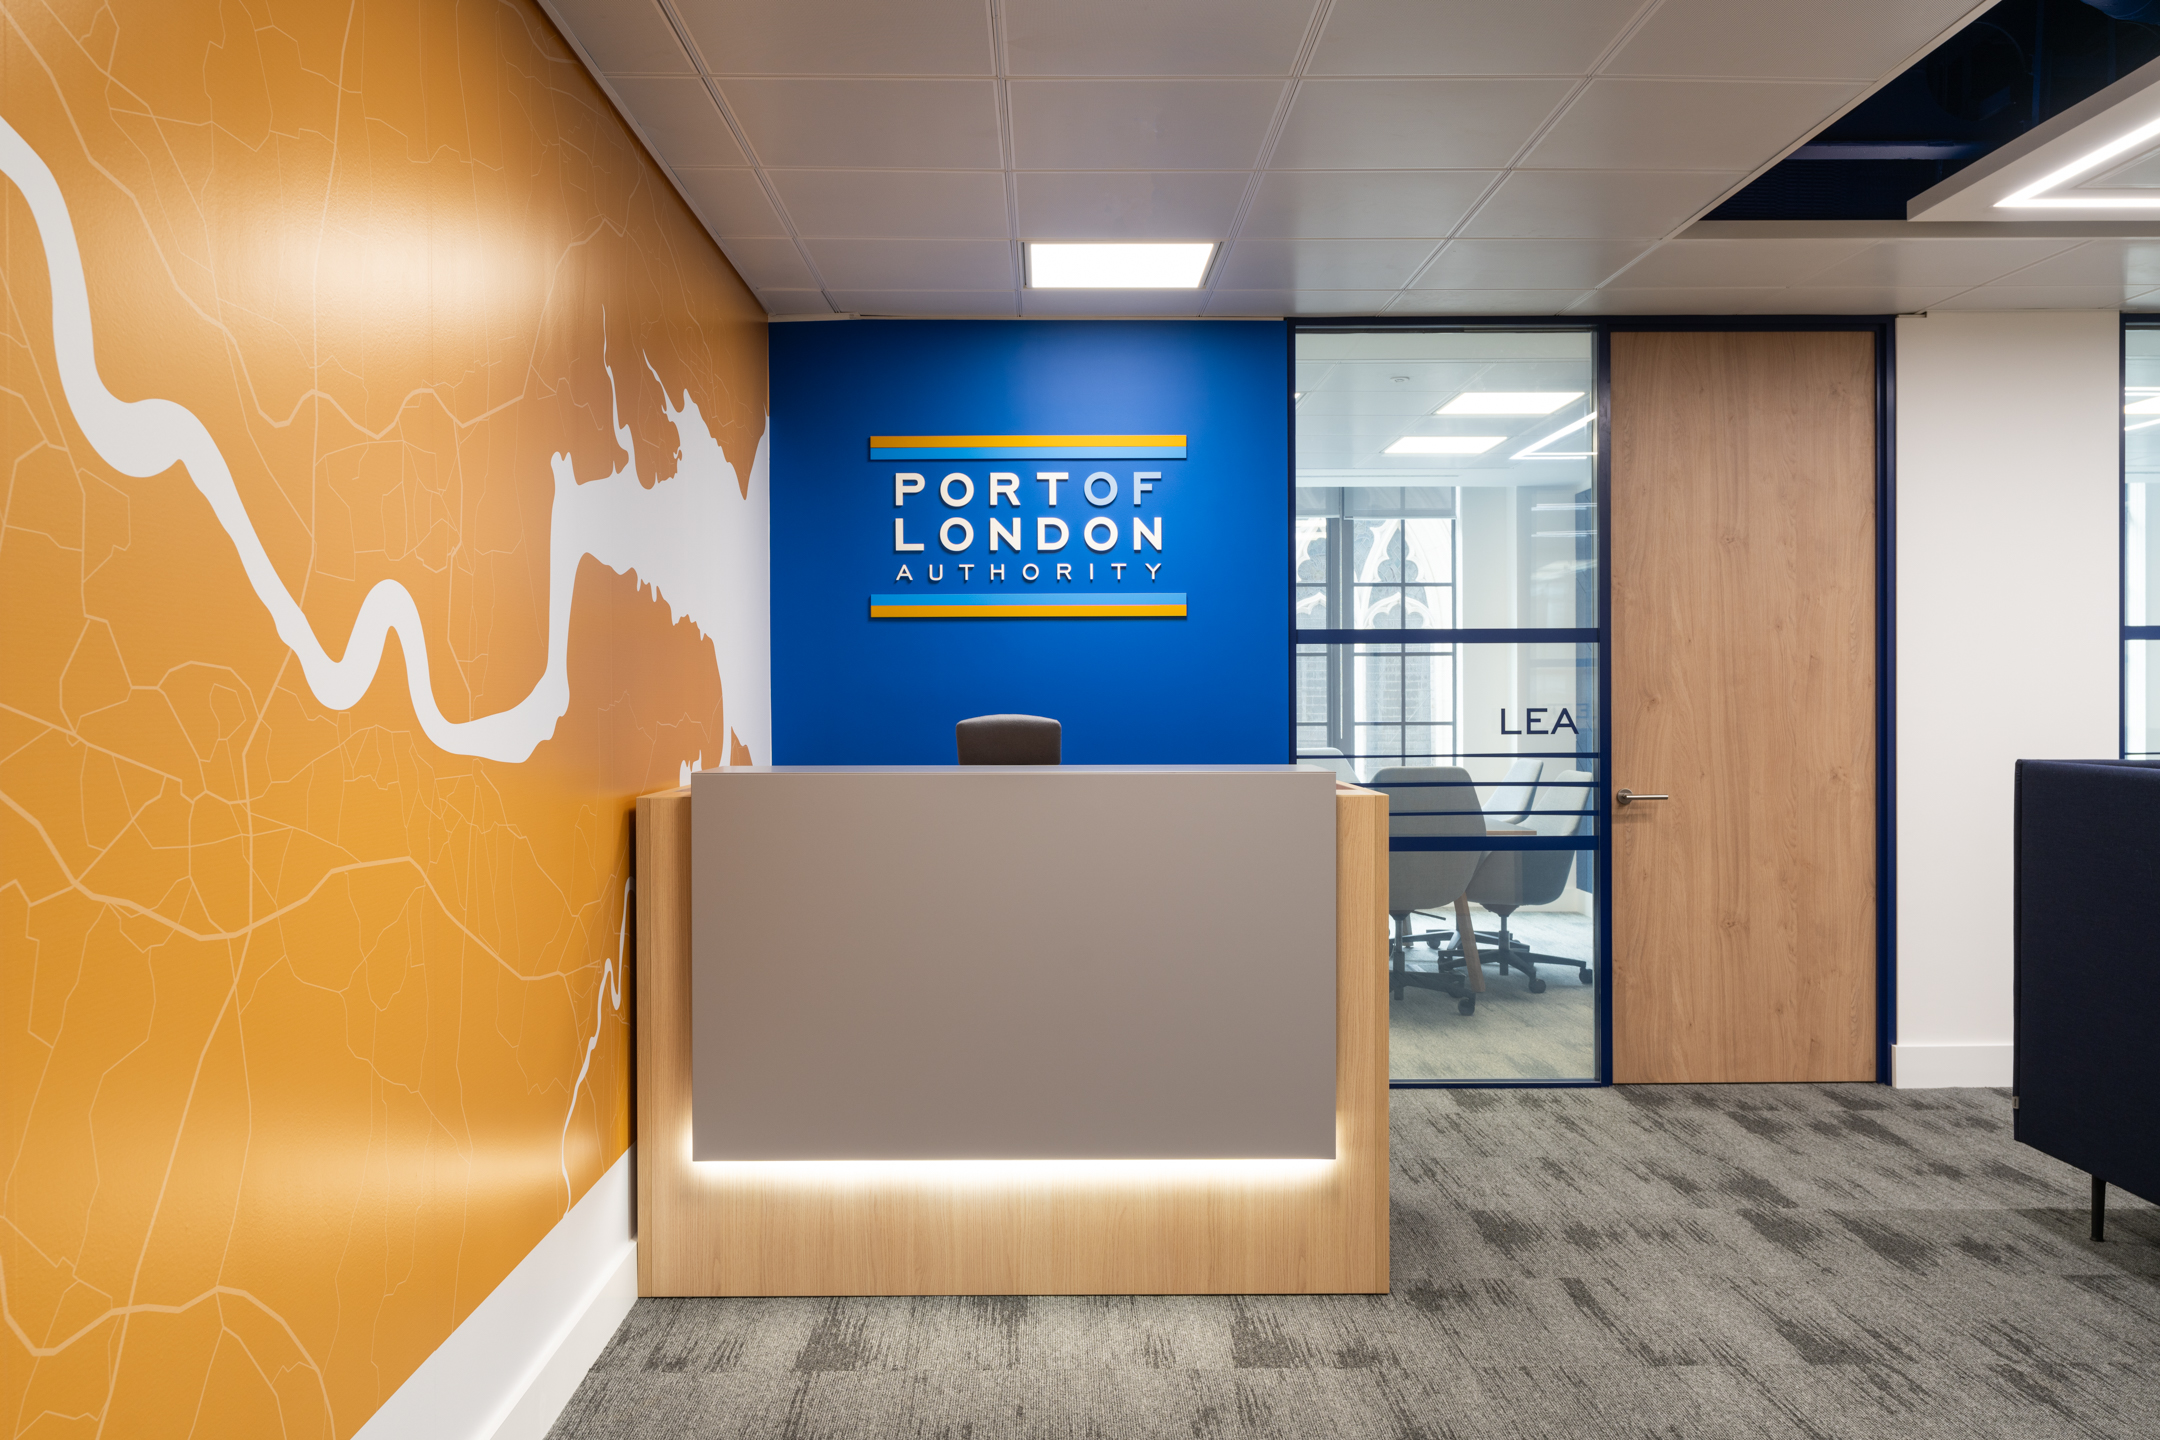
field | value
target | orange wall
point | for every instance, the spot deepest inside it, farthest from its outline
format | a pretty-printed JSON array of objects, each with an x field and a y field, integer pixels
[{"x": 294, "y": 997}]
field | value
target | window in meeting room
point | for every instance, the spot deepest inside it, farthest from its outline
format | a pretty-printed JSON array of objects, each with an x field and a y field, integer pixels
[
  {"x": 2141, "y": 542},
  {"x": 1446, "y": 652}
]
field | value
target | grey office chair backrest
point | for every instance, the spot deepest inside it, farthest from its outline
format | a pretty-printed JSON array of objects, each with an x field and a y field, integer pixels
[
  {"x": 1330, "y": 757},
  {"x": 1567, "y": 800},
  {"x": 1429, "y": 800},
  {"x": 1510, "y": 879},
  {"x": 1009, "y": 740},
  {"x": 1513, "y": 799}
]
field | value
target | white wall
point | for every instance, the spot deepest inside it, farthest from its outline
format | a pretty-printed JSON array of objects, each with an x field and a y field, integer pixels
[
  {"x": 2008, "y": 488},
  {"x": 507, "y": 1372}
]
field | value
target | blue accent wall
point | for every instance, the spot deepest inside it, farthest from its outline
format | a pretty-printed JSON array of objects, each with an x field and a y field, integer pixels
[{"x": 1209, "y": 688}]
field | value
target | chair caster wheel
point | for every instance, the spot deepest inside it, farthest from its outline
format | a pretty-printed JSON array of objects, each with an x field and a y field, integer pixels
[
  {"x": 1583, "y": 975},
  {"x": 1537, "y": 987},
  {"x": 1467, "y": 1005}
]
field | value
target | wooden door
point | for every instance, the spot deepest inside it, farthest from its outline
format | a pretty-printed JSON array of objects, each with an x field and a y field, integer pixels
[{"x": 1743, "y": 686}]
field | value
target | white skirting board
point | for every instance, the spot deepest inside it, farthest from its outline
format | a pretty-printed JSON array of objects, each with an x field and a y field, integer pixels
[
  {"x": 507, "y": 1372},
  {"x": 1939, "y": 1067}
]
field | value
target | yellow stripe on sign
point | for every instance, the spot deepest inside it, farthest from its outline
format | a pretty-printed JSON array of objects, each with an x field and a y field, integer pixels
[{"x": 1116, "y": 610}]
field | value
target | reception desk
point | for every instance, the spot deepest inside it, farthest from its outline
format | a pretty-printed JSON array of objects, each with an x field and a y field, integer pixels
[{"x": 1039, "y": 1030}]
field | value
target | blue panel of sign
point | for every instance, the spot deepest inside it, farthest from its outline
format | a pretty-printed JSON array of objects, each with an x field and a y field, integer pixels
[{"x": 1088, "y": 520}]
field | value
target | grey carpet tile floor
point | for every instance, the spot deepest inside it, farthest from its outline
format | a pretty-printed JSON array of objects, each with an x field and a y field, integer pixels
[
  {"x": 1821, "y": 1261},
  {"x": 1514, "y": 1033}
]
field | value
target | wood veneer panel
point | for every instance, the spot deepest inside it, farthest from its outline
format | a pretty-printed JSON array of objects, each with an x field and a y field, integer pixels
[
  {"x": 1743, "y": 685},
  {"x": 662, "y": 1012},
  {"x": 820, "y": 1229}
]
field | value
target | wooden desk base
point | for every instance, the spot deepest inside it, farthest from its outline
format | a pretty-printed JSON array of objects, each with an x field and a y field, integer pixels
[{"x": 1311, "y": 1227}]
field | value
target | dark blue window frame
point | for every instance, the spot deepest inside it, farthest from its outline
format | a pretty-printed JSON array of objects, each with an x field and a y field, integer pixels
[{"x": 1883, "y": 328}]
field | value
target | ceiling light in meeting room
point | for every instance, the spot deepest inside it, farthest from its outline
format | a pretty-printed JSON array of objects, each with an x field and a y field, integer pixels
[
  {"x": 1443, "y": 444},
  {"x": 1057, "y": 266},
  {"x": 1508, "y": 402},
  {"x": 1536, "y": 449}
]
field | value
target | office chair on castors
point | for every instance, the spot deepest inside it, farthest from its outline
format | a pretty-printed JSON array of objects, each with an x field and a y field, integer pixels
[
  {"x": 1431, "y": 801},
  {"x": 1507, "y": 880},
  {"x": 1009, "y": 740}
]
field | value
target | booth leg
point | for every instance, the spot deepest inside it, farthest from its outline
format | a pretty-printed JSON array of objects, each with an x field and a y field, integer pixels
[{"x": 2099, "y": 1208}]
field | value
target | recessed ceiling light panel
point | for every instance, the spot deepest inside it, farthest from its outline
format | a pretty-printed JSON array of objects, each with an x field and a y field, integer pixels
[
  {"x": 1058, "y": 266},
  {"x": 1508, "y": 402},
  {"x": 1444, "y": 444}
]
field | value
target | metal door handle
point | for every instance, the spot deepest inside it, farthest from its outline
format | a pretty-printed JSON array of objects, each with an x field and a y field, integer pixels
[{"x": 1628, "y": 797}]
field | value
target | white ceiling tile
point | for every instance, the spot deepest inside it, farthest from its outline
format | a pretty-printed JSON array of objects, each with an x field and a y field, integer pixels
[
  {"x": 1685, "y": 124},
  {"x": 840, "y": 37},
  {"x": 2043, "y": 297},
  {"x": 1615, "y": 300},
  {"x": 793, "y": 302},
  {"x": 1527, "y": 264},
  {"x": 926, "y": 302},
  {"x": 769, "y": 264},
  {"x": 681, "y": 119},
  {"x": 1484, "y": 302},
  {"x": 1357, "y": 203},
  {"x": 1322, "y": 264},
  {"x": 1299, "y": 302},
  {"x": 1141, "y": 124},
  {"x": 1852, "y": 39},
  {"x": 1957, "y": 262},
  {"x": 1413, "y": 124},
  {"x": 865, "y": 124},
  {"x": 1596, "y": 204},
  {"x": 2134, "y": 263},
  {"x": 913, "y": 264},
  {"x": 911, "y": 204},
  {"x": 1149, "y": 37},
  {"x": 1369, "y": 391},
  {"x": 731, "y": 201},
  {"x": 1112, "y": 302},
  {"x": 1129, "y": 204},
  {"x": 1737, "y": 262},
  {"x": 1863, "y": 299},
  {"x": 1468, "y": 37},
  {"x": 1370, "y": 434},
  {"x": 625, "y": 35}
]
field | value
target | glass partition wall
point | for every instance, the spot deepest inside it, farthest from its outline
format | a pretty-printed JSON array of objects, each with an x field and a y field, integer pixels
[
  {"x": 2141, "y": 542},
  {"x": 1447, "y": 652}
]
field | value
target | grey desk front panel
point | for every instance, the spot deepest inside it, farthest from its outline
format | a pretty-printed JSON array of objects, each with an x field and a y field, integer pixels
[{"x": 1003, "y": 963}]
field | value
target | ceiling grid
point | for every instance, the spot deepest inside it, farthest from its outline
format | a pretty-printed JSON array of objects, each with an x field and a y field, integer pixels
[
  {"x": 727, "y": 118},
  {"x": 1401, "y": 157},
  {"x": 1268, "y": 144},
  {"x": 1006, "y": 147},
  {"x": 1559, "y": 111}
]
